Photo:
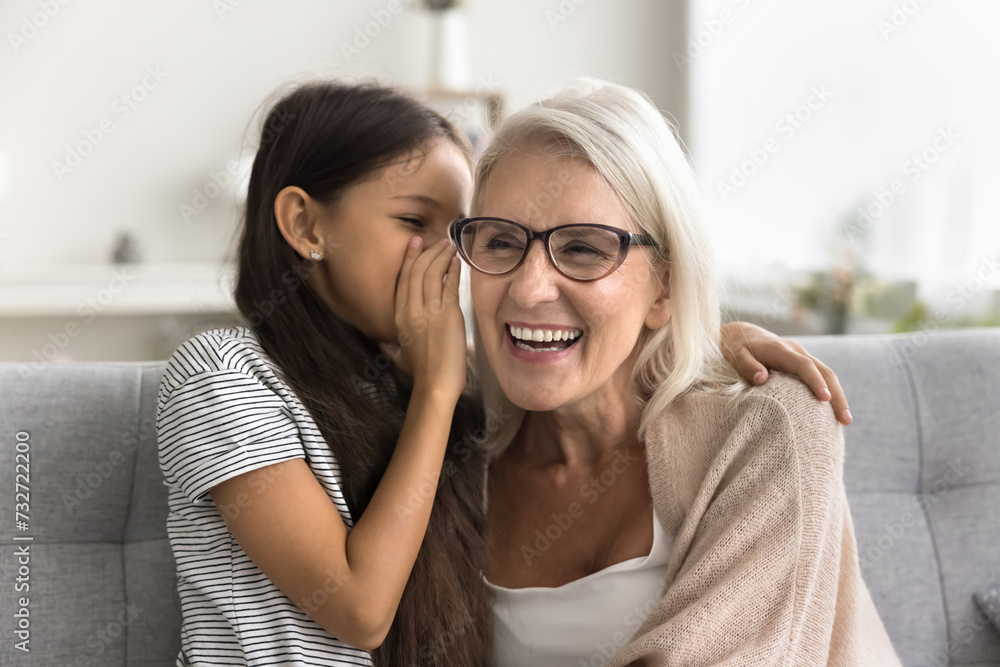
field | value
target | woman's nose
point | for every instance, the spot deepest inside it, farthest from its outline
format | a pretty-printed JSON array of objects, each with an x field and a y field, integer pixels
[{"x": 535, "y": 280}]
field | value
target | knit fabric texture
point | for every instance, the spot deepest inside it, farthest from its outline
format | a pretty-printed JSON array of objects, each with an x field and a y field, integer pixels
[{"x": 764, "y": 569}]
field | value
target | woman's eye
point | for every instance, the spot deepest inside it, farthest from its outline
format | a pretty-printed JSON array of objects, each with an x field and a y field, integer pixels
[
  {"x": 413, "y": 221},
  {"x": 580, "y": 249},
  {"x": 494, "y": 244},
  {"x": 501, "y": 242}
]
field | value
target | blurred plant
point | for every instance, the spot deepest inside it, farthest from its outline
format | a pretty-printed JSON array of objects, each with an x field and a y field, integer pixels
[
  {"x": 912, "y": 319},
  {"x": 919, "y": 315},
  {"x": 834, "y": 294},
  {"x": 992, "y": 320},
  {"x": 847, "y": 289}
]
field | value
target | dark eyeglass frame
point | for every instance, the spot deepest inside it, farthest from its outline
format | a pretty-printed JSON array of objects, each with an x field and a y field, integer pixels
[{"x": 626, "y": 241}]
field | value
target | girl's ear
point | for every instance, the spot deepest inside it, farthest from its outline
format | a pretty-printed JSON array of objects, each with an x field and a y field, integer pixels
[
  {"x": 295, "y": 211},
  {"x": 659, "y": 312}
]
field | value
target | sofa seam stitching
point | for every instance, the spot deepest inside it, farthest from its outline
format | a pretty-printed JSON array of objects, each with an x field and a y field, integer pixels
[
  {"x": 131, "y": 496},
  {"x": 917, "y": 413},
  {"x": 954, "y": 487}
]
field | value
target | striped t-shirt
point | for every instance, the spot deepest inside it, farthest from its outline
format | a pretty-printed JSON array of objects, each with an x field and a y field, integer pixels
[{"x": 222, "y": 412}]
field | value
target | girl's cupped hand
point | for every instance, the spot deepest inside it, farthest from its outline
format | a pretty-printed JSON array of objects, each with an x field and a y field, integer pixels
[{"x": 431, "y": 328}]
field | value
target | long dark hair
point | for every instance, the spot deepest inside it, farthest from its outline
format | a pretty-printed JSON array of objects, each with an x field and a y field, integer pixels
[{"x": 323, "y": 138}]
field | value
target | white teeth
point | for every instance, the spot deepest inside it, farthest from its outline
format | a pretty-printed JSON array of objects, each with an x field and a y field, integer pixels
[{"x": 544, "y": 335}]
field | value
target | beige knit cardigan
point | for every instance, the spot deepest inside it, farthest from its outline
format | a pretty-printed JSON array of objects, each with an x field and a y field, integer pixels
[{"x": 764, "y": 568}]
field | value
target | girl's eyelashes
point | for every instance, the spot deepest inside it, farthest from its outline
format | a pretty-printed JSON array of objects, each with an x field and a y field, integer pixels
[{"x": 413, "y": 221}]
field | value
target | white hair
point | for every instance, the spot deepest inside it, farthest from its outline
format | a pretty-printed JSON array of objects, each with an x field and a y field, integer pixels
[{"x": 624, "y": 137}]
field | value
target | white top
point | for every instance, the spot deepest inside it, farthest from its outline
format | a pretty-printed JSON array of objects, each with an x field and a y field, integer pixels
[
  {"x": 583, "y": 622},
  {"x": 221, "y": 412}
]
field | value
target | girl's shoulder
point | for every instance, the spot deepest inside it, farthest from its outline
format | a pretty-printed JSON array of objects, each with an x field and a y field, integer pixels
[{"x": 222, "y": 350}]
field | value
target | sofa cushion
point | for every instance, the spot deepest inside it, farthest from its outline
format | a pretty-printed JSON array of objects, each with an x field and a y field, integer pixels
[
  {"x": 923, "y": 483},
  {"x": 101, "y": 576}
]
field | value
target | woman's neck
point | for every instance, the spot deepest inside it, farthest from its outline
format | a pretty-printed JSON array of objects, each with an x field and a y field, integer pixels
[{"x": 584, "y": 434}]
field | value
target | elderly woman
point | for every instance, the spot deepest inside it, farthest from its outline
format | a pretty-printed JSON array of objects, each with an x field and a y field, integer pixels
[{"x": 645, "y": 506}]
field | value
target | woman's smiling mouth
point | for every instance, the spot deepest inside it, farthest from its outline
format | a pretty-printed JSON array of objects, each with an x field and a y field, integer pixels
[{"x": 541, "y": 339}]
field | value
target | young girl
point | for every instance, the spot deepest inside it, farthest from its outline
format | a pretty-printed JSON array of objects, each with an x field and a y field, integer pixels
[{"x": 317, "y": 514}]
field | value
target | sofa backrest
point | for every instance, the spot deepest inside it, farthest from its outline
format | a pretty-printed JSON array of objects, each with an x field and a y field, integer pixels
[
  {"x": 922, "y": 473},
  {"x": 101, "y": 584}
]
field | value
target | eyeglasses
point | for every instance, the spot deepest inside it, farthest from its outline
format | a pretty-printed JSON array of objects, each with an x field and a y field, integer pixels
[{"x": 582, "y": 251}]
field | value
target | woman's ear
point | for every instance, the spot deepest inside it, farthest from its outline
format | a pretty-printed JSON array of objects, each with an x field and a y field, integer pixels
[
  {"x": 659, "y": 312},
  {"x": 295, "y": 212}
]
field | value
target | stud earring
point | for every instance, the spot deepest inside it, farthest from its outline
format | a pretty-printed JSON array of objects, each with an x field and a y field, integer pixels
[{"x": 315, "y": 254}]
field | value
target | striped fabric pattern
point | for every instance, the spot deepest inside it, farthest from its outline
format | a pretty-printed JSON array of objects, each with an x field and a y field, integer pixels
[{"x": 222, "y": 412}]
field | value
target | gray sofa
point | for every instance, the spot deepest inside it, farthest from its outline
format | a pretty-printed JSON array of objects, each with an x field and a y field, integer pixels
[{"x": 922, "y": 474}]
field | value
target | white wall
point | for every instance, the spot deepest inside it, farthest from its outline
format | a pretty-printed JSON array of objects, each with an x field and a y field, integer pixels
[
  {"x": 897, "y": 74},
  {"x": 218, "y": 63}
]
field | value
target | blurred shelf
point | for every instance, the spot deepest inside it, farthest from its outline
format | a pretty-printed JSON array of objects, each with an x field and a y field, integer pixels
[{"x": 115, "y": 289}]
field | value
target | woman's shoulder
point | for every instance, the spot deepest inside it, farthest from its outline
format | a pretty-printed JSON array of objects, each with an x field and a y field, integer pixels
[
  {"x": 808, "y": 420},
  {"x": 781, "y": 412},
  {"x": 791, "y": 396},
  {"x": 775, "y": 434}
]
